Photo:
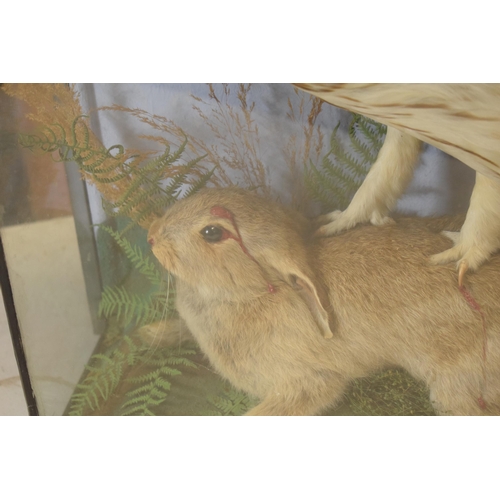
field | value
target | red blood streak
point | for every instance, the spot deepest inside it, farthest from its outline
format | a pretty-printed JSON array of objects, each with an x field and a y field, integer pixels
[
  {"x": 224, "y": 213},
  {"x": 470, "y": 299},
  {"x": 472, "y": 302}
]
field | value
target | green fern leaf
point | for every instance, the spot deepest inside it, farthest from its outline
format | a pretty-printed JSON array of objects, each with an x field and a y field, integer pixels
[
  {"x": 232, "y": 402},
  {"x": 342, "y": 170},
  {"x": 99, "y": 383},
  {"x": 200, "y": 183},
  {"x": 127, "y": 306},
  {"x": 141, "y": 262}
]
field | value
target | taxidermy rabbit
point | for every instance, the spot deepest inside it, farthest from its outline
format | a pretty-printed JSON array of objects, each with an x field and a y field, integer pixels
[
  {"x": 292, "y": 320},
  {"x": 461, "y": 119}
]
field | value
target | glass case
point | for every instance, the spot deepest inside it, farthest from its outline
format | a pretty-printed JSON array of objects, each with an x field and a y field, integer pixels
[{"x": 85, "y": 171}]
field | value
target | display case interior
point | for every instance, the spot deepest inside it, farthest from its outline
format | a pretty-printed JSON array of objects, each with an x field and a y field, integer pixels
[{"x": 86, "y": 169}]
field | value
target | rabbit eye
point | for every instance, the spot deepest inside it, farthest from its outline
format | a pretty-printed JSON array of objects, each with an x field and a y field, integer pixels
[{"x": 212, "y": 234}]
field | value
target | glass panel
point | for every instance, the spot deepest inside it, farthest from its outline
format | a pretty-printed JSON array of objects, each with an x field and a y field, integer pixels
[
  {"x": 45, "y": 266},
  {"x": 78, "y": 252}
]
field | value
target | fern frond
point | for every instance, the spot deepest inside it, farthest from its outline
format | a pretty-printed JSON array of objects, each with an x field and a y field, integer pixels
[
  {"x": 146, "y": 397},
  {"x": 127, "y": 306},
  {"x": 135, "y": 255},
  {"x": 341, "y": 171},
  {"x": 177, "y": 155},
  {"x": 164, "y": 356},
  {"x": 149, "y": 390},
  {"x": 327, "y": 188},
  {"x": 373, "y": 132},
  {"x": 312, "y": 181},
  {"x": 344, "y": 158},
  {"x": 103, "y": 376},
  {"x": 366, "y": 152},
  {"x": 147, "y": 195},
  {"x": 200, "y": 183},
  {"x": 89, "y": 159},
  {"x": 175, "y": 360},
  {"x": 148, "y": 377},
  {"x": 232, "y": 402}
]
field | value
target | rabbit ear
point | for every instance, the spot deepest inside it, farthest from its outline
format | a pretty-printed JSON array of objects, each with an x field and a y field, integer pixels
[
  {"x": 291, "y": 264},
  {"x": 314, "y": 296}
]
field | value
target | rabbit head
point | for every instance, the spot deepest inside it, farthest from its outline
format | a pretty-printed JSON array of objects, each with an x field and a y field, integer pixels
[{"x": 229, "y": 244}]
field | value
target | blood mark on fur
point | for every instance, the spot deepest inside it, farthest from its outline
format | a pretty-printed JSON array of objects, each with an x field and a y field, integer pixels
[
  {"x": 224, "y": 213},
  {"x": 472, "y": 302}
]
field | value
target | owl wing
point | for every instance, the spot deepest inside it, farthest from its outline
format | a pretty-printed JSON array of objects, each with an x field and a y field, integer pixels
[{"x": 461, "y": 119}]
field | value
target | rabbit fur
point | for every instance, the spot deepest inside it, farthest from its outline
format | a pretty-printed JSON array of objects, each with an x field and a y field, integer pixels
[{"x": 292, "y": 320}]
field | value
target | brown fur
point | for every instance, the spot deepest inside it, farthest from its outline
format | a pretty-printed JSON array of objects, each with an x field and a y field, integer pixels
[{"x": 387, "y": 306}]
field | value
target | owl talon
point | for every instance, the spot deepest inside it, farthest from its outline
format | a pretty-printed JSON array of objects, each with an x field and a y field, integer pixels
[
  {"x": 462, "y": 269},
  {"x": 467, "y": 258}
]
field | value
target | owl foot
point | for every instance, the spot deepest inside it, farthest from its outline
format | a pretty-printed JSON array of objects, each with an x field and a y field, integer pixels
[
  {"x": 336, "y": 222},
  {"x": 467, "y": 254}
]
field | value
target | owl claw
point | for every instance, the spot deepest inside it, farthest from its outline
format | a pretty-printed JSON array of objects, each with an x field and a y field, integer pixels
[
  {"x": 462, "y": 269},
  {"x": 468, "y": 256}
]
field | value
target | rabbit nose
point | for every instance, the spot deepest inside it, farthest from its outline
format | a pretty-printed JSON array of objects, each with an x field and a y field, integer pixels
[{"x": 151, "y": 241}]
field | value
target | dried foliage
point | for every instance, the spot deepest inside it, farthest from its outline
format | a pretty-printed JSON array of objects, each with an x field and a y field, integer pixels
[
  {"x": 303, "y": 148},
  {"x": 121, "y": 175},
  {"x": 228, "y": 117},
  {"x": 236, "y": 141}
]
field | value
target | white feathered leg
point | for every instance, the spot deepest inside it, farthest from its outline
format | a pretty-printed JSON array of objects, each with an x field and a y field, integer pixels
[
  {"x": 480, "y": 234},
  {"x": 384, "y": 184}
]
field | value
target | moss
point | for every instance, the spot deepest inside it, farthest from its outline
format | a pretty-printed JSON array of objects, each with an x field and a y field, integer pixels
[{"x": 392, "y": 392}]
